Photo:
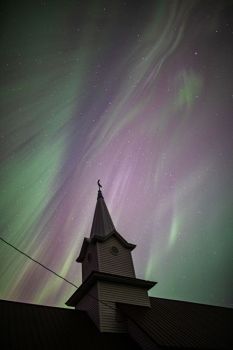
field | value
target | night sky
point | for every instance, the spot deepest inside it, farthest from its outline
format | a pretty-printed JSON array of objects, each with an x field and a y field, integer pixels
[{"x": 140, "y": 95}]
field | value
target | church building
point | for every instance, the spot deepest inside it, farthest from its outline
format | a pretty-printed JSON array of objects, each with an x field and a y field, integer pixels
[{"x": 111, "y": 309}]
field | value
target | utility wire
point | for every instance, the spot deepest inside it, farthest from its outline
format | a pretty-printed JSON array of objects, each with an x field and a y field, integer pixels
[
  {"x": 55, "y": 273},
  {"x": 37, "y": 262}
]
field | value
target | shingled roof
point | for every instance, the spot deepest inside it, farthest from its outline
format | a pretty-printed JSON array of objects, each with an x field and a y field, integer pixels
[
  {"x": 180, "y": 325},
  {"x": 168, "y": 324},
  {"x": 28, "y": 326}
]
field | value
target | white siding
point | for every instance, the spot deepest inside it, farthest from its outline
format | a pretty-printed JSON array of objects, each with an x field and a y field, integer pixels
[
  {"x": 111, "y": 319},
  {"x": 110, "y": 293},
  {"x": 122, "y": 293},
  {"x": 121, "y": 264},
  {"x": 102, "y": 306}
]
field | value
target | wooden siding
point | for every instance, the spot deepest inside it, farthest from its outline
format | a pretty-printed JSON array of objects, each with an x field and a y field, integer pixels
[
  {"x": 90, "y": 304},
  {"x": 121, "y": 293},
  {"x": 102, "y": 308},
  {"x": 111, "y": 319},
  {"x": 90, "y": 265},
  {"x": 100, "y": 304},
  {"x": 120, "y": 264}
]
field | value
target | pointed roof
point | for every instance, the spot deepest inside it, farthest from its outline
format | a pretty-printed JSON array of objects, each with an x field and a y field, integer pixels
[
  {"x": 102, "y": 223},
  {"x": 102, "y": 227}
]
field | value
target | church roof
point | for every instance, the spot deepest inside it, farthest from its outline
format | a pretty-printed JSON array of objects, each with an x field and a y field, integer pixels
[
  {"x": 102, "y": 223},
  {"x": 168, "y": 324},
  {"x": 181, "y": 325},
  {"x": 38, "y": 327}
]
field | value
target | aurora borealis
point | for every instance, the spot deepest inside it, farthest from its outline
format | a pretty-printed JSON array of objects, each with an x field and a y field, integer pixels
[{"x": 140, "y": 95}]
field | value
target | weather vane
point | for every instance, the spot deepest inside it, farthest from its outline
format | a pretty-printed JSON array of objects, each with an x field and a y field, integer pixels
[{"x": 99, "y": 184}]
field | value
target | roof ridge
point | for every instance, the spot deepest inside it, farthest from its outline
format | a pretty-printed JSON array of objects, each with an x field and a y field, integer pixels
[
  {"x": 192, "y": 302},
  {"x": 34, "y": 305}
]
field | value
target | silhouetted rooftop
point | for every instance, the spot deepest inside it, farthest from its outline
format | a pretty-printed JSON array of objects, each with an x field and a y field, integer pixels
[
  {"x": 168, "y": 324},
  {"x": 28, "y": 326},
  {"x": 182, "y": 325}
]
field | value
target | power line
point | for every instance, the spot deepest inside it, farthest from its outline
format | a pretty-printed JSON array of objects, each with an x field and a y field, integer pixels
[
  {"x": 55, "y": 273},
  {"x": 37, "y": 262}
]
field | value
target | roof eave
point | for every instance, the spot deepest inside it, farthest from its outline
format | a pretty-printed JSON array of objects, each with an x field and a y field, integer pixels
[
  {"x": 117, "y": 235},
  {"x": 106, "y": 277},
  {"x": 82, "y": 253},
  {"x": 96, "y": 238}
]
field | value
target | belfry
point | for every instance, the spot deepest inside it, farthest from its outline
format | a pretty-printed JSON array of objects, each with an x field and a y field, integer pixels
[{"x": 108, "y": 275}]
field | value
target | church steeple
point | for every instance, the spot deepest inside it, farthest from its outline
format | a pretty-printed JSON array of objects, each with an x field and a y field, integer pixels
[
  {"x": 102, "y": 224},
  {"x": 108, "y": 274}
]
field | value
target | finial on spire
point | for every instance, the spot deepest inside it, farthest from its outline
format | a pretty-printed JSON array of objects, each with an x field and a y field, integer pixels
[
  {"x": 99, "y": 191},
  {"x": 99, "y": 184}
]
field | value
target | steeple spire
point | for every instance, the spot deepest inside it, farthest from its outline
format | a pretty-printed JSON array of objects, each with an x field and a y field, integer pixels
[
  {"x": 102, "y": 223},
  {"x": 108, "y": 274}
]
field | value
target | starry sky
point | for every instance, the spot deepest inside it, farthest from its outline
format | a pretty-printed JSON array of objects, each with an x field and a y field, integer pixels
[{"x": 140, "y": 95}]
